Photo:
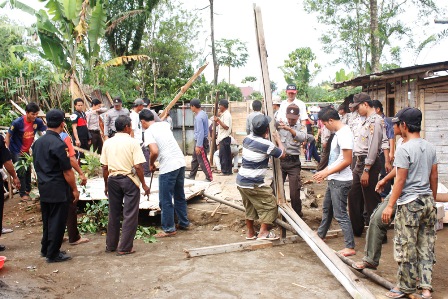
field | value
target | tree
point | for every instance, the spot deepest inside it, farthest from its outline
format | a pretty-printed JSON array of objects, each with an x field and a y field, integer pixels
[
  {"x": 249, "y": 79},
  {"x": 231, "y": 92},
  {"x": 212, "y": 35},
  {"x": 362, "y": 31},
  {"x": 126, "y": 21},
  {"x": 10, "y": 35},
  {"x": 273, "y": 86},
  {"x": 296, "y": 69},
  {"x": 231, "y": 53}
]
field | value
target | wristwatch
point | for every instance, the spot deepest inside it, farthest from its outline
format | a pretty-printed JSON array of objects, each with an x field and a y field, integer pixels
[{"x": 366, "y": 169}]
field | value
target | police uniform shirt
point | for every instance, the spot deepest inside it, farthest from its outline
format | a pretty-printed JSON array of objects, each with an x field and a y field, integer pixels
[
  {"x": 372, "y": 138},
  {"x": 111, "y": 116},
  {"x": 292, "y": 144},
  {"x": 51, "y": 159}
]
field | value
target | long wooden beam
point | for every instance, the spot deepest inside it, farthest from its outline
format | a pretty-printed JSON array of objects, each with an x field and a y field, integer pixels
[
  {"x": 340, "y": 271},
  {"x": 183, "y": 89}
]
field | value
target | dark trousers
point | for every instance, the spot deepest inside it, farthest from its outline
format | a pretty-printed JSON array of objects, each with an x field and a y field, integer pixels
[
  {"x": 362, "y": 201},
  {"x": 325, "y": 155},
  {"x": 2, "y": 204},
  {"x": 201, "y": 160},
  {"x": 72, "y": 221},
  {"x": 122, "y": 189},
  {"x": 84, "y": 145},
  {"x": 23, "y": 175},
  {"x": 311, "y": 151},
  {"x": 97, "y": 141},
  {"x": 383, "y": 173},
  {"x": 54, "y": 219},
  {"x": 146, "y": 170},
  {"x": 225, "y": 156},
  {"x": 291, "y": 168}
]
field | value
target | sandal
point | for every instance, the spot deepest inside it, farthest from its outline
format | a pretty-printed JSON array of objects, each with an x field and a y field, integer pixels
[
  {"x": 363, "y": 265},
  {"x": 163, "y": 234},
  {"x": 270, "y": 237},
  {"x": 393, "y": 293}
]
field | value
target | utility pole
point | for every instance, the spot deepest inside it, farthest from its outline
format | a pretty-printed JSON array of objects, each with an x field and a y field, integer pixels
[{"x": 441, "y": 21}]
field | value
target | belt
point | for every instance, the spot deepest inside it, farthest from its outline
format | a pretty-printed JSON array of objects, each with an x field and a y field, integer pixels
[
  {"x": 94, "y": 131},
  {"x": 361, "y": 158},
  {"x": 292, "y": 157}
]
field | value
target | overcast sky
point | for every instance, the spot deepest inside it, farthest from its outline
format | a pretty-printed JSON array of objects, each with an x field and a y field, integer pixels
[{"x": 287, "y": 27}]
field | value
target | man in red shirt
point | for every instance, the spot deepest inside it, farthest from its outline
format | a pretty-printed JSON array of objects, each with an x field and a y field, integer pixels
[{"x": 79, "y": 126}]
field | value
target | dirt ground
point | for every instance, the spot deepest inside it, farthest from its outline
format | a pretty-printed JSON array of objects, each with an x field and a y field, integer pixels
[{"x": 161, "y": 270}]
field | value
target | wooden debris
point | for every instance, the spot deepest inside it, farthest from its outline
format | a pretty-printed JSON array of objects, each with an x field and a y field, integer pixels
[
  {"x": 221, "y": 213},
  {"x": 216, "y": 209}
]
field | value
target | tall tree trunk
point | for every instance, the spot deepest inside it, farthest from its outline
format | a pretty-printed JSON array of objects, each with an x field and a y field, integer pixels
[
  {"x": 374, "y": 38},
  {"x": 215, "y": 61},
  {"x": 229, "y": 74}
]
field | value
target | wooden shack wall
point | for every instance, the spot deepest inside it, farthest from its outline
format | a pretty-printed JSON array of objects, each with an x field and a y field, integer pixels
[{"x": 239, "y": 112}]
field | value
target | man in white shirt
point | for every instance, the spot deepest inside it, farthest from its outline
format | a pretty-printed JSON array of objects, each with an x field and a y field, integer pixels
[
  {"x": 291, "y": 92},
  {"x": 136, "y": 125},
  {"x": 162, "y": 145},
  {"x": 224, "y": 129},
  {"x": 340, "y": 179}
]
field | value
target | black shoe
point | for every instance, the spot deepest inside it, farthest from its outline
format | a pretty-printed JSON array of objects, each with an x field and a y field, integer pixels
[
  {"x": 62, "y": 257},
  {"x": 109, "y": 250},
  {"x": 44, "y": 254},
  {"x": 190, "y": 177},
  {"x": 2, "y": 247}
]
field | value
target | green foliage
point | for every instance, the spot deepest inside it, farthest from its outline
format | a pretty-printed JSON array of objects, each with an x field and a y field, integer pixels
[
  {"x": 10, "y": 35},
  {"x": 91, "y": 165},
  {"x": 348, "y": 28},
  {"x": 256, "y": 95},
  {"x": 324, "y": 92},
  {"x": 146, "y": 234},
  {"x": 230, "y": 91},
  {"x": 24, "y": 163},
  {"x": 249, "y": 79},
  {"x": 296, "y": 69},
  {"x": 95, "y": 218},
  {"x": 7, "y": 115},
  {"x": 274, "y": 86},
  {"x": 231, "y": 53},
  {"x": 341, "y": 76}
]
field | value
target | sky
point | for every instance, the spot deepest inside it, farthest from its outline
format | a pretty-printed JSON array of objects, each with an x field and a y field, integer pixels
[{"x": 286, "y": 27}]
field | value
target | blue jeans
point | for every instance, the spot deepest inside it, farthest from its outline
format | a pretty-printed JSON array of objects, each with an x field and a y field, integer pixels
[
  {"x": 171, "y": 185},
  {"x": 335, "y": 204}
]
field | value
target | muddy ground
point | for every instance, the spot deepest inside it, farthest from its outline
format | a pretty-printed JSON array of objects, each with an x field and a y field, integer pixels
[{"x": 161, "y": 270}]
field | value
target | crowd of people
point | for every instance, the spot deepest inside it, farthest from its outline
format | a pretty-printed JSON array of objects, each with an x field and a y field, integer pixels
[{"x": 359, "y": 162}]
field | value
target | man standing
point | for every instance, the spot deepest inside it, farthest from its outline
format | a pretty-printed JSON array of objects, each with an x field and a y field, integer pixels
[
  {"x": 385, "y": 164},
  {"x": 258, "y": 199},
  {"x": 147, "y": 106},
  {"x": 224, "y": 129},
  {"x": 121, "y": 160},
  {"x": 162, "y": 145},
  {"x": 136, "y": 125},
  {"x": 55, "y": 178},
  {"x": 79, "y": 126},
  {"x": 5, "y": 160},
  {"x": 95, "y": 125},
  {"x": 256, "y": 106},
  {"x": 414, "y": 191},
  {"x": 339, "y": 180},
  {"x": 291, "y": 92},
  {"x": 292, "y": 134},
  {"x": 19, "y": 139},
  {"x": 74, "y": 238},
  {"x": 363, "y": 198},
  {"x": 342, "y": 110},
  {"x": 112, "y": 115},
  {"x": 201, "y": 139}
]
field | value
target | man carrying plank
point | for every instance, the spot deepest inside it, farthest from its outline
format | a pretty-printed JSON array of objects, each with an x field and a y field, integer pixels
[{"x": 258, "y": 199}]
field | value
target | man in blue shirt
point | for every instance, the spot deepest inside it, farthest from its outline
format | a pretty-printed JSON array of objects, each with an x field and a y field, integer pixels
[{"x": 201, "y": 139}]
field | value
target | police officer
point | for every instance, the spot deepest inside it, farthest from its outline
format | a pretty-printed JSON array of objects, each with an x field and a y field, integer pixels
[
  {"x": 292, "y": 134},
  {"x": 362, "y": 198},
  {"x": 111, "y": 116},
  {"x": 55, "y": 176}
]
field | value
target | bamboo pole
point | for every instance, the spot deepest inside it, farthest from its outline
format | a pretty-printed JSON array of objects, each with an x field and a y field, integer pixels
[
  {"x": 183, "y": 89},
  {"x": 213, "y": 139}
]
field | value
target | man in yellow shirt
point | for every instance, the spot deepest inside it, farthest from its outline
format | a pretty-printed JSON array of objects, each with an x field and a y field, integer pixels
[{"x": 122, "y": 159}]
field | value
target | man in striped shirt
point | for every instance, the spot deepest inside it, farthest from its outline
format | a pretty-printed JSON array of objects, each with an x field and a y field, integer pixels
[{"x": 258, "y": 198}]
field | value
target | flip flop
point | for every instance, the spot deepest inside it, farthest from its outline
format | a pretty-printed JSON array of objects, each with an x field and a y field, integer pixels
[
  {"x": 270, "y": 237},
  {"x": 122, "y": 253},
  {"x": 363, "y": 265},
  {"x": 395, "y": 294},
  {"x": 251, "y": 238},
  {"x": 163, "y": 234}
]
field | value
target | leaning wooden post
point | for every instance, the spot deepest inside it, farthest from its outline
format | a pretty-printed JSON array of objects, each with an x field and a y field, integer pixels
[
  {"x": 183, "y": 89},
  {"x": 213, "y": 137}
]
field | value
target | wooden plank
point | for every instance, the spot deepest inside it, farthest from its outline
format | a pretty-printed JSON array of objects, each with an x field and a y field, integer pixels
[
  {"x": 213, "y": 143},
  {"x": 232, "y": 247},
  {"x": 262, "y": 52},
  {"x": 341, "y": 272}
]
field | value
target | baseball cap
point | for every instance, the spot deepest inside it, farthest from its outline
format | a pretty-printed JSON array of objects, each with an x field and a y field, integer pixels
[
  {"x": 260, "y": 124},
  {"x": 360, "y": 98},
  {"x": 54, "y": 118},
  {"x": 146, "y": 102},
  {"x": 117, "y": 101},
  {"x": 138, "y": 102},
  {"x": 291, "y": 88},
  {"x": 411, "y": 116},
  {"x": 292, "y": 111},
  {"x": 277, "y": 100}
]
